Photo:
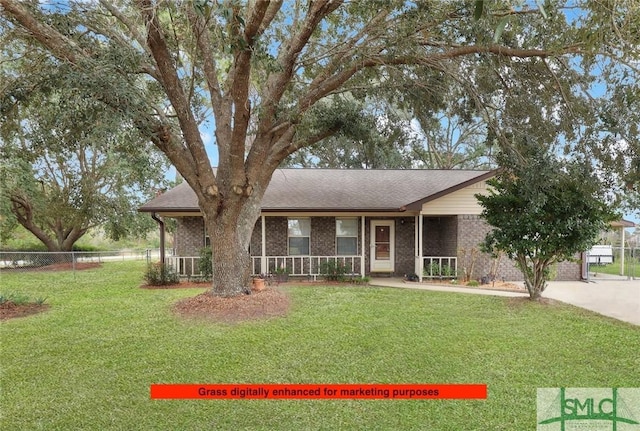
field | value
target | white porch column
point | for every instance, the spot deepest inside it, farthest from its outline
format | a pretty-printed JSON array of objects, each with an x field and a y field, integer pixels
[
  {"x": 416, "y": 249},
  {"x": 362, "y": 256},
  {"x": 263, "y": 252},
  {"x": 420, "y": 248},
  {"x": 622, "y": 251}
]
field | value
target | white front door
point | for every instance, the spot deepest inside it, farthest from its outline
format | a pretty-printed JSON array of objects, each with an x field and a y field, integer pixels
[{"x": 382, "y": 245}]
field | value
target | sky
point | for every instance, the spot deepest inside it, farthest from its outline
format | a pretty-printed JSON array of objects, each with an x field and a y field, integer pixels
[
  {"x": 207, "y": 129},
  {"x": 208, "y": 138}
]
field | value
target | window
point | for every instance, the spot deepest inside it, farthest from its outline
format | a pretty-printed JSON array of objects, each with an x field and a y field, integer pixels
[
  {"x": 347, "y": 237},
  {"x": 299, "y": 233}
]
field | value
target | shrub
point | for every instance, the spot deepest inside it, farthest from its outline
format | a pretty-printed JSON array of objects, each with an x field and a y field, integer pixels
[
  {"x": 205, "y": 264},
  {"x": 334, "y": 271},
  {"x": 361, "y": 280},
  {"x": 158, "y": 274},
  {"x": 436, "y": 270},
  {"x": 473, "y": 283},
  {"x": 40, "y": 300},
  {"x": 19, "y": 299}
]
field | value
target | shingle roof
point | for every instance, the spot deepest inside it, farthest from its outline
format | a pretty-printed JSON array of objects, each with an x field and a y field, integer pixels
[{"x": 338, "y": 190}]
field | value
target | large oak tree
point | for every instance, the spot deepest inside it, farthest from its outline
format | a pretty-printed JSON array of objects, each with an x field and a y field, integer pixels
[
  {"x": 70, "y": 163},
  {"x": 258, "y": 71}
]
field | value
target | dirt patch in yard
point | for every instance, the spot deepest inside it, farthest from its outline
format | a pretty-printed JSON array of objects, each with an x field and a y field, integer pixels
[
  {"x": 265, "y": 304},
  {"x": 79, "y": 266},
  {"x": 522, "y": 300},
  {"x": 10, "y": 310},
  {"x": 64, "y": 266}
]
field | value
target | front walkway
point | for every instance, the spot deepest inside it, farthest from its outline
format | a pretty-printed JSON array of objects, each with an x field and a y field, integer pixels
[
  {"x": 400, "y": 283},
  {"x": 618, "y": 298}
]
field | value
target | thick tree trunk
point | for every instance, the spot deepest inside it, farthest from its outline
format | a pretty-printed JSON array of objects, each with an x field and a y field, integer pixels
[
  {"x": 230, "y": 234},
  {"x": 230, "y": 259},
  {"x": 534, "y": 276}
]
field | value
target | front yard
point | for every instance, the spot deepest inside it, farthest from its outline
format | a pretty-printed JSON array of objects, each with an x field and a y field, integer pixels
[{"x": 88, "y": 361}]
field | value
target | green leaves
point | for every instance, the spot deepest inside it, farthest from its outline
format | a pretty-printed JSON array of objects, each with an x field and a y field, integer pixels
[
  {"x": 543, "y": 210},
  {"x": 500, "y": 28},
  {"x": 69, "y": 162},
  {"x": 478, "y": 10}
]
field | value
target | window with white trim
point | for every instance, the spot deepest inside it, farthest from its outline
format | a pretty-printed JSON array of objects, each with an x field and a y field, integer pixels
[
  {"x": 347, "y": 236},
  {"x": 299, "y": 236}
]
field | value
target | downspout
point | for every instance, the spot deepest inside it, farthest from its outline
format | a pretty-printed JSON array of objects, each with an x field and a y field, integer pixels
[
  {"x": 420, "y": 246},
  {"x": 161, "y": 225}
]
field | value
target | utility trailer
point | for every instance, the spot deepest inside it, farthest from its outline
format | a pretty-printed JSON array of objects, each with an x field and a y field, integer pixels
[{"x": 601, "y": 255}]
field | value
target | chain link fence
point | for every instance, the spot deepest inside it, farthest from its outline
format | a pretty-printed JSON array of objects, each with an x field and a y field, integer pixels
[
  {"x": 618, "y": 267},
  {"x": 74, "y": 260}
]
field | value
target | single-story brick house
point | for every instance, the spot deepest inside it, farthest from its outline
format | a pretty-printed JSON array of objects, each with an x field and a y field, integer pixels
[{"x": 391, "y": 222}]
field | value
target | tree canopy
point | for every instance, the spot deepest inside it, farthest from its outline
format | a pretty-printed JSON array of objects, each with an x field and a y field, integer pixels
[
  {"x": 543, "y": 210},
  {"x": 258, "y": 71},
  {"x": 70, "y": 163}
]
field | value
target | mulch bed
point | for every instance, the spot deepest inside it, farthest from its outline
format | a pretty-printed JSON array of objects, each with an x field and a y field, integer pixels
[
  {"x": 257, "y": 306},
  {"x": 498, "y": 285},
  {"x": 9, "y": 310}
]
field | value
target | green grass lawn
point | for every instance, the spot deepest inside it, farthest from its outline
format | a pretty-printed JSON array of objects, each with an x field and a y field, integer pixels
[
  {"x": 631, "y": 268},
  {"x": 88, "y": 362}
]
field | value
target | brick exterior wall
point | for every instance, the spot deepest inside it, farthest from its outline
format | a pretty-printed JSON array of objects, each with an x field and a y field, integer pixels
[
  {"x": 471, "y": 231},
  {"x": 405, "y": 249},
  {"x": 323, "y": 236},
  {"x": 442, "y": 236},
  {"x": 189, "y": 238},
  {"x": 255, "y": 246},
  {"x": 322, "y": 240}
]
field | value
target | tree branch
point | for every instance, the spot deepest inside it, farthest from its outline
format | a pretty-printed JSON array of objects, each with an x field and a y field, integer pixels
[
  {"x": 270, "y": 14},
  {"x": 206, "y": 186},
  {"x": 277, "y": 82},
  {"x": 23, "y": 211},
  {"x": 63, "y": 47}
]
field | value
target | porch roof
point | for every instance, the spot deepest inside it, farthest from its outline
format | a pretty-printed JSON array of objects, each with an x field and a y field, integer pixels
[{"x": 334, "y": 190}]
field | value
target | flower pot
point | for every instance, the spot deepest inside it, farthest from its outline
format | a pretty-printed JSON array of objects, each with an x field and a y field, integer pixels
[{"x": 258, "y": 284}]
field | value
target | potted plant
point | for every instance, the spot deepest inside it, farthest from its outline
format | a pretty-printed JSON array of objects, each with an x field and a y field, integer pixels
[{"x": 258, "y": 283}]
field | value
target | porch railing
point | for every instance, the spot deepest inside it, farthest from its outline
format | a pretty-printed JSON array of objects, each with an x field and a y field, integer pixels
[
  {"x": 433, "y": 266},
  {"x": 302, "y": 265},
  {"x": 440, "y": 267},
  {"x": 187, "y": 266}
]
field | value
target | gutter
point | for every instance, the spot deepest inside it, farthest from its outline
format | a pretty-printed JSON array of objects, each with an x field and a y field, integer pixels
[{"x": 161, "y": 225}]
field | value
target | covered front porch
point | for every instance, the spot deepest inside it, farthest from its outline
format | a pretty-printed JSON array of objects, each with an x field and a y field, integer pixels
[{"x": 314, "y": 245}]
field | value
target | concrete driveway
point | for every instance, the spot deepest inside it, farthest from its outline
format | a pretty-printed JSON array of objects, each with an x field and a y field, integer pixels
[
  {"x": 615, "y": 297},
  {"x": 619, "y": 299}
]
